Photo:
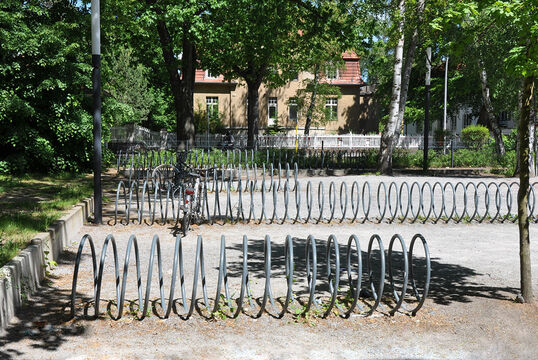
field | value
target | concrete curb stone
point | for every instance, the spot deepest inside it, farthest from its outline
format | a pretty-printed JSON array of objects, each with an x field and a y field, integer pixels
[{"x": 22, "y": 276}]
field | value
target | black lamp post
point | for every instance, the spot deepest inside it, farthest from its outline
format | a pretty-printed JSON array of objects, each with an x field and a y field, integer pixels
[{"x": 96, "y": 85}]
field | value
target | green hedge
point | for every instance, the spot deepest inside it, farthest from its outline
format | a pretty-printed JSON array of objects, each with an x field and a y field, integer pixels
[{"x": 475, "y": 136}]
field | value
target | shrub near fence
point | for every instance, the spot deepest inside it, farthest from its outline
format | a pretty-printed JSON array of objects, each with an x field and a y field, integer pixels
[{"x": 363, "y": 159}]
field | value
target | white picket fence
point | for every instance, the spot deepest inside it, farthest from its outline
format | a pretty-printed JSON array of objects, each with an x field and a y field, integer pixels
[
  {"x": 347, "y": 141},
  {"x": 137, "y": 135}
]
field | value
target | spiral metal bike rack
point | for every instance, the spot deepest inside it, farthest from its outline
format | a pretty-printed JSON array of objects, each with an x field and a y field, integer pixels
[
  {"x": 154, "y": 201},
  {"x": 338, "y": 303}
]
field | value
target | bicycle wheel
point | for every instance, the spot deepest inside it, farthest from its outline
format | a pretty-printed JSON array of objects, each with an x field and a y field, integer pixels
[{"x": 187, "y": 214}]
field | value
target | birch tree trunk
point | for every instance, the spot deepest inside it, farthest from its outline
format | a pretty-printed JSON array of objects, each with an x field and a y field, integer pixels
[
  {"x": 391, "y": 132},
  {"x": 523, "y": 192},
  {"x": 409, "y": 58},
  {"x": 492, "y": 119}
]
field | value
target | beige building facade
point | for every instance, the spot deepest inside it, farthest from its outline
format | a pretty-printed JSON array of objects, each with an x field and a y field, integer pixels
[{"x": 354, "y": 111}]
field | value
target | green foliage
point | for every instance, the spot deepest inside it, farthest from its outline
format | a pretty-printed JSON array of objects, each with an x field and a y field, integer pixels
[
  {"x": 274, "y": 129},
  {"x": 45, "y": 124},
  {"x": 215, "y": 123},
  {"x": 320, "y": 113},
  {"x": 510, "y": 140},
  {"x": 475, "y": 136},
  {"x": 126, "y": 81},
  {"x": 463, "y": 158}
]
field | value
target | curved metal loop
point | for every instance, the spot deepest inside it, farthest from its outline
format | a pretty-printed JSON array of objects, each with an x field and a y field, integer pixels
[
  {"x": 398, "y": 298},
  {"x": 420, "y": 298}
]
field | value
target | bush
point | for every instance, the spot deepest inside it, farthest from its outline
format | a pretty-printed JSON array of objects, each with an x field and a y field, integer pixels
[
  {"x": 215, "y": 123},
  {"x": 274, "y": 129},
  {"x": 475, "y": 136}
]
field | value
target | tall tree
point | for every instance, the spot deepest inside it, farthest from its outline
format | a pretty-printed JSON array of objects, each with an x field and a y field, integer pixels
[
  {"x": 330, "y": 29},
  {"x": 390, "y": 135},
  {"x": 45, "y": 125},
  {"x": 493, "y": 121},
  {"x": 523, "y": 192},
  {"x": 269, "y": 41},
  {"x": 256, "y": 44},
  {"x": 520, "y": 60},
  {"x": 409, "y": 59},
  {"x": 185, "y": 19}
]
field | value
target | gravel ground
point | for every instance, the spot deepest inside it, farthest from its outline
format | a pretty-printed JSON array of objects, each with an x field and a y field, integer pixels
[{"x": 470, "y": 312}]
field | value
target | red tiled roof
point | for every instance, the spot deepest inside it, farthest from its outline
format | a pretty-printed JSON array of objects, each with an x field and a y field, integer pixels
[
  {"x": 350, "y": 55},
  {"x": 349, "y": 74}
]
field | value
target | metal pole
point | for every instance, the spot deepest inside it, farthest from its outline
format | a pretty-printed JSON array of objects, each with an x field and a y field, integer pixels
[
  {"x": 445, "y": 102},
  {"x": 427, "y": 108},
  {"x": 207, "y": 132},
  {"x": 96, "y": 85},
  {"x": 446, "y": 90},
  {"x": 296, "y": 135},
  {"x": 452, "y": 153}
]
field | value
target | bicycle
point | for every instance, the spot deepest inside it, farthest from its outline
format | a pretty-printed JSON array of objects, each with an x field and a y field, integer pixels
[
  {"x": 170, "y": 178},
  {"x": 191, "y": 206}
]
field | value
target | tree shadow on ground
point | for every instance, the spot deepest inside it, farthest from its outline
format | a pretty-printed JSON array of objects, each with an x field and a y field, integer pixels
[
  {"x": 44, "y": 320},
  {"x": 448, "y": 282}
]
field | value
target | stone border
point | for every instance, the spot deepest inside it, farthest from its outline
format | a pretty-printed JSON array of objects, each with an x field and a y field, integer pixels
[{"x": 22, "y": 276}]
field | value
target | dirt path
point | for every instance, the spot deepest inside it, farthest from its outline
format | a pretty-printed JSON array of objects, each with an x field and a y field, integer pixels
[{"x": 470, "y": 312}]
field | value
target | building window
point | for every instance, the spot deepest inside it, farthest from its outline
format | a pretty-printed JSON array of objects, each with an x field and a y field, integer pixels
[
  {"x": 272, "y": 110},
  {"x": 212, "y": 105},
  {"x": 331, "y": 109},
  {"x": 292, "y": 109},
  {"x": 331, "y": 72},
  {"x": 210, "y": 75}
]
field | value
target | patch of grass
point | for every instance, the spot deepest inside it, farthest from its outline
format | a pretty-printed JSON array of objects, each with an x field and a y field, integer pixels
[{"x": 30, "y": 204}]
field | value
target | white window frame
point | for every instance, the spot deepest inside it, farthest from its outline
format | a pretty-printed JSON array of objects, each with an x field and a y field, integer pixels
[
  {"x": 211, "y": 102},
  {"x": 328, "y": 71},
  {"x": 293, "y": 103},
  {"x": 272, "y": 102},
  {"x": 332, "y": 105}
]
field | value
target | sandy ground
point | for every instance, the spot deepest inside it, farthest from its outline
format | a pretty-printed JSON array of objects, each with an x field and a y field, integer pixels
[{"x": 470, "y": 312}]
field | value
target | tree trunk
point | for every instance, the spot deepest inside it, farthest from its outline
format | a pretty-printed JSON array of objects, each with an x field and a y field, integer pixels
[
  {"x": 185, "y": 127},
  {"x": 519, "y": 108},
  {"x": 172, "y": 68},
  {"x": 409, "y": 58},
  {"x": 253, "y": 113},
  {"x": 391, "y": 132},
  {"x": 310, "y": 109},
  {"x": 523, "y": 193},
  {"x": 532, "y": 136},
  {"x": 492, "y": 119}
]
